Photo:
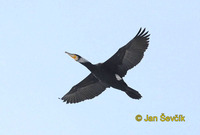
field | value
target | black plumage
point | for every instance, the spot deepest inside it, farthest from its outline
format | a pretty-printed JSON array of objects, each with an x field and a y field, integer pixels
[{"x": 110, "y": 73}]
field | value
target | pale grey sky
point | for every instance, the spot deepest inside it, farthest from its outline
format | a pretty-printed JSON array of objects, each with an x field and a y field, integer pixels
[{"x": 35, "y": 71}]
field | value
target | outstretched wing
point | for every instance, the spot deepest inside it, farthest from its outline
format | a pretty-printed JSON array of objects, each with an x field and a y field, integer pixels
[
  {"x": 86, "y": 89},
  {"x": 129, "y": 55}
]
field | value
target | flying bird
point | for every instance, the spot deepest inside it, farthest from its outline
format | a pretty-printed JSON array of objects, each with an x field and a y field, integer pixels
[{"x": 111, "y": 72}]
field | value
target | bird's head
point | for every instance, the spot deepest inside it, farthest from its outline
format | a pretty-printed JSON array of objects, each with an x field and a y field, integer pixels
[{"x": 77, "y": 57}]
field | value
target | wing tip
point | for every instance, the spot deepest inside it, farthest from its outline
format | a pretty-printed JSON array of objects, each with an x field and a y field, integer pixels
[{"x": 142, "y": 33}]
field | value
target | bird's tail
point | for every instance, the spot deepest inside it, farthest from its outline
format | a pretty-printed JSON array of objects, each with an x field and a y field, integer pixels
[{"x": 132, "y": 93}]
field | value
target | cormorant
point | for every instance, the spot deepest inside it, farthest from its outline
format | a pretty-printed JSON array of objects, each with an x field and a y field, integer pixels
[{"x": 111, "y": 72}]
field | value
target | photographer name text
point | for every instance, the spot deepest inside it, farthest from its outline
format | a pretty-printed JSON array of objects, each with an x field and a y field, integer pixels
[{"x": 162, "y": 118}]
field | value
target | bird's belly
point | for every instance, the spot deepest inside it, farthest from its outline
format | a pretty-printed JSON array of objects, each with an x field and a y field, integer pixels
[{"x": 110, "y": 79}]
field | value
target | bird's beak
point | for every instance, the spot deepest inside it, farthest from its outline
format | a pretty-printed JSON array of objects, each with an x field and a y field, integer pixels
[
  {"x": 68, "y": 53},
  {"x": 75, "y": 57}
]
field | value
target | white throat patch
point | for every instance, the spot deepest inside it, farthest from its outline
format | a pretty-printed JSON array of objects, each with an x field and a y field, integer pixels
[
  {"x": 82, "y": 60},
  {"x": 118, "y": 77}
]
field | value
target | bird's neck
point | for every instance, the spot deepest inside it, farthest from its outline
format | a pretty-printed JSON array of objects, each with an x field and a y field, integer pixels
[{"x": 89, "y": 65}]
